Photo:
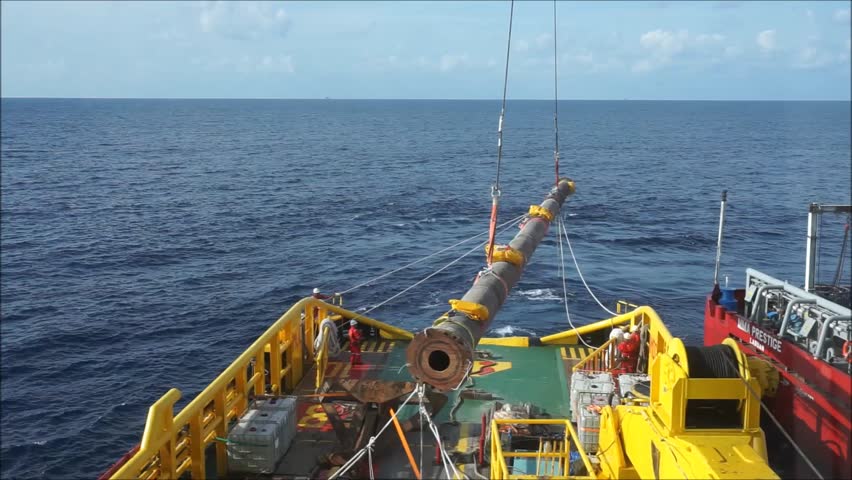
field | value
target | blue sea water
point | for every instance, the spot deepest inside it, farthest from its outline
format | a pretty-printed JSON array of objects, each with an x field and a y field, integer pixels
[{"x": 145, "y": 243}]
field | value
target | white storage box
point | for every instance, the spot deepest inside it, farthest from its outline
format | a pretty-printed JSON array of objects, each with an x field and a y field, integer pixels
[
  {"x": 260, "y": 439},
  {"x": 588, "y": 429},
  {"x": 591, "y": 388},
  {"x": 276, "y": 403}
]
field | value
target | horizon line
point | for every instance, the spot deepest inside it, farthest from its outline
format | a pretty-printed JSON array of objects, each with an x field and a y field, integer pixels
[{"x": 427, "y": 99}]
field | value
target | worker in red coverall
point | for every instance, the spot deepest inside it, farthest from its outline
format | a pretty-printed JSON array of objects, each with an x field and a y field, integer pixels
[
  {"x": 629, "y": 350},
  {"x": 355, "y": 338}
]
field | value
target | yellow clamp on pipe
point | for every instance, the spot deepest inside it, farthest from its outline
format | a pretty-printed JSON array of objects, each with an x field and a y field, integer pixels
[
  {"x": 571, "y": 186},
  {"x": 505, "y": 253},
  {"x": 473, "y": 310},
  {"x": 539, "y": 211}
]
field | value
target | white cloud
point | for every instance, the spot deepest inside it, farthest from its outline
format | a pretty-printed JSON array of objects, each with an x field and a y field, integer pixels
[
  {"x": 709, "y": 38},
  {"x": 244, "y": 20},
  {"x": 733, "y": 51},
  {"x": 842, "y": 15},
  {"x": 281, "y": 63},
  {"x": 249, "y": 64},
  {"x": 766, "y": 40},
  {"x": 544, "y": 40},
  {"x": 585, "y": 61},
  {"x": 643, "y": 66},
  {"x": 664, "y": 47},
  {"x": 811, "y": 58},
  {"x": 450, "y": 62},
  {"x": 664, "y": 43}
]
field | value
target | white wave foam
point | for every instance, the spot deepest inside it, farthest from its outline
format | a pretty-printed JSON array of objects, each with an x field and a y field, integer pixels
[
  {"x": 541, "y": 294},
  {"x": 430, "y": 305},
  {"x": 509, "y": 331}
]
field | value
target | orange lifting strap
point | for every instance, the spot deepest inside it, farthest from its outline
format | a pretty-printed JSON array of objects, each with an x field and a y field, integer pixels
[{"x": 492, "y": 228}]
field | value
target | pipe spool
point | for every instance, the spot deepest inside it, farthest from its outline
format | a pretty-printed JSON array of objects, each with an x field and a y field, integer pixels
[{"x": 442, "y": 355}]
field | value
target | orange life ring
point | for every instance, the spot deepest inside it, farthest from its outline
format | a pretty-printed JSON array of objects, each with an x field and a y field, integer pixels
[{"x": 847, "y": 350}]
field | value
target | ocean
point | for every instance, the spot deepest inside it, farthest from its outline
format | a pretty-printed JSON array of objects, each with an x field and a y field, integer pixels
[{"x": 146, "y": 243}]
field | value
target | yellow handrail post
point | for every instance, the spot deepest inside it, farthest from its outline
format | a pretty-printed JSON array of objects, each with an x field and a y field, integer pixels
[
  {"x": 260, "y": 367},
  {"x": 221, "y": 432},
  {"x": 159, "y": 423},
  {"x": 196, "y": 445},
  {"x": 241, "y": 390},
  {"x": 296, "y": 356},
  {"x": 322, "y": 361},
  {"x": 275, "y": 365},
  {"x": 310, "y": 330}
]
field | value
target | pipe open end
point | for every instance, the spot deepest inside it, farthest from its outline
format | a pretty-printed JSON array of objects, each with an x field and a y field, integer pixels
[{"x": 439, "y": 359}]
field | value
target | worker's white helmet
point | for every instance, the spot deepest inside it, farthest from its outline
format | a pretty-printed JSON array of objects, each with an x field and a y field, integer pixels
[
  {"x": 626, "y": 335},
  {"x": 616, "y": 333},
  {"x": 316, "y": 290},
  {"x": 353, "y": 322}
]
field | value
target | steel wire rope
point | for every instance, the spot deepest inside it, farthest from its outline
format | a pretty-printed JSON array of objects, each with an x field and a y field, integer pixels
[
  {"x": 775, "y": 421},
  {"x": 391, "y": 272},
  {"x": 555, "y": 100},
  {"x": 580, "y": 274},
  {"x": 495, "y": 189},
  {"x": 564, "y": 281},
  {"x": 397, "y": 295}
]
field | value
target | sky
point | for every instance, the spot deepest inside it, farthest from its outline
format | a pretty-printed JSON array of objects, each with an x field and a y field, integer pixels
[{"x": 431, "y": 50}]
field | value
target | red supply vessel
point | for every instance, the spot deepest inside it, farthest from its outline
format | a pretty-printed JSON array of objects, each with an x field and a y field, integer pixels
[{"x": 803, "y": 334}]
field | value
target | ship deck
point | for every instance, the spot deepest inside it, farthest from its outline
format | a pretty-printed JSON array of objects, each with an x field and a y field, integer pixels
[{"x": 538, "y": 375}]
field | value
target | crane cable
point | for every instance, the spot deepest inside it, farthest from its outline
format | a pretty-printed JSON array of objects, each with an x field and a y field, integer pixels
[
  {"x": 555, "y": 101},
  {"x": 495, "y": 189}
]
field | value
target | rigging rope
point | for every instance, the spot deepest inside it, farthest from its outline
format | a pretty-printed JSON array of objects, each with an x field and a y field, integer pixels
[
  {"x": 511, "y": 224},
  {"x": 580, "y": 274},
  {"x": 451, "y": 471},
  {"x": 555, "y": 100},
  {"x": 495, "y": 189},
  {"x": 391, "y": 272},
  {"x": 369, "y": 447},
  {"x": 775, "y": 420},
  {"x": 333, "y": 345},
  {"x": 559, "y": 229}
]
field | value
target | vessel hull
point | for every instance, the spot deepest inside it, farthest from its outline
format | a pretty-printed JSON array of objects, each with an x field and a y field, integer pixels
[{"x": 812, "y": 402}]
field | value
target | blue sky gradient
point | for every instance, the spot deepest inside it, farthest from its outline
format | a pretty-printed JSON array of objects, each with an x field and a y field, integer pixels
[{"x": 433, "y": 50}]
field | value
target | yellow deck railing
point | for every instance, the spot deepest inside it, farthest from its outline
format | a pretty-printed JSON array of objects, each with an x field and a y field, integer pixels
[
  {"x": 570, "y": 337},
  {"x": 623, "y": 306},
  {"x": 603, "y": 358},
  {"x": 174, "y": 444},
  {"x": 322, "y": 361},
  {"x": 600, "y": 360},
  {"x": 559, "y": 459}
]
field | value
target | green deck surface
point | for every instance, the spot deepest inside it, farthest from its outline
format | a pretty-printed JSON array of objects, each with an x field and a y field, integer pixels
[
  {"x": 514, "y": 375},
  {"x": 536, "y": 375}
]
